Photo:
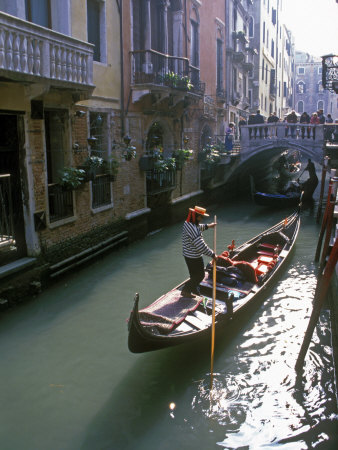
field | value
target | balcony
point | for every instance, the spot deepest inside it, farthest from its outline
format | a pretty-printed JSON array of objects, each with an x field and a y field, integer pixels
[
  {"x": 31, "y": 53},
  {"x": 238, "y": 57},
  {"x": 159, "y": 181},
  {"x": 153, "y": 71}
]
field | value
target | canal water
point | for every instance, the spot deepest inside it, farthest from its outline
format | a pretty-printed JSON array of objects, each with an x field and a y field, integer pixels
[{"x": 68, "y": 381}]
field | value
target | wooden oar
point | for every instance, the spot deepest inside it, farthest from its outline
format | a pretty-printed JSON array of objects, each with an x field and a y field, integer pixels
[{"x": 213, "y": 310}]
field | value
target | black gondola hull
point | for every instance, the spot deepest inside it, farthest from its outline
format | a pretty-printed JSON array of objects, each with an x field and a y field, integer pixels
[{"x": 146, "y": 338}]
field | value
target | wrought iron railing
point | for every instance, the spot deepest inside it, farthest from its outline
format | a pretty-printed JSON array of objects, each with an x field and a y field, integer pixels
[
  {"x": 152, "y": 67},
  {"x": 159, "y": 181},
  {"x": 6, "y": 210},
  {"x": 60, "y": 202},
  {"x": 101, "y": 191}
]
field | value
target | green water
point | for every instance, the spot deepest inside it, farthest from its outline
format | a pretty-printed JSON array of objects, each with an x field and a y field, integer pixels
[{"x": 68, "y": 381}]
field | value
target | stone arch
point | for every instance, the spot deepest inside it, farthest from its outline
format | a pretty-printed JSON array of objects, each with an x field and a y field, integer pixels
[
  {"x": 161, "y": 130},
  {"x": 206, "y": 134}
]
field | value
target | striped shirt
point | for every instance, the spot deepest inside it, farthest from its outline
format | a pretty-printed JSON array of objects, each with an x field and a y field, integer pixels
[{"x": 193, "y": 242}]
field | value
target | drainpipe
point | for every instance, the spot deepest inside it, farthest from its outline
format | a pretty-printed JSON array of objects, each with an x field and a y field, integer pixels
[
  {"x": 185, "y": 26},
  {"x": 120, "y": 9}
]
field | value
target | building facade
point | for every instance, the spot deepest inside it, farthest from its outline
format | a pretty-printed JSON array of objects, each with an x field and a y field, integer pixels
[{"x": 310, "y": 96}]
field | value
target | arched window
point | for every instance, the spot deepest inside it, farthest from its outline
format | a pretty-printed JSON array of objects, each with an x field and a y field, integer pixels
[
  {"x": 251, "y": 27},
  {"x": 320, "y": 105},
  {"x": 300, "y": 107}
]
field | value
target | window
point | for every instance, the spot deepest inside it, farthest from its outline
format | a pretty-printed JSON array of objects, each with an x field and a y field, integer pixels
[
  {"x": 263, "y": 32},
  {"x": 60, "y": 199},
  {"x": 219, "y": 68},
  {"x": 263, "y": 69},
  {"x": 301, "y": 70},
  {"x": 301, "y": 87},
  {"x": 101, "y": 193},
  {"x": 99, "y": 130},
  {"x": 194, "y": 44},
  {"x": 96, "y": 28},
  {"x": 251, "y": 27},
  {"x": 38, "y": 11},
  {"x": 320, "y": 105},
  {"x": 274, "y": 16},
  {"x": 320, "y": 87},
  {"x": 320, "y": 70},
  {"x": 300, "y": 107},
  {"x": 285, "y": 89},
  {"x": 272, "y": 48}
]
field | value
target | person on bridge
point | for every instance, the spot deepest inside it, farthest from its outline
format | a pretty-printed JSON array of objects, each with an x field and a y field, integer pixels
[
  {"x": 194, "y": 247},
  {"x": 292, "y": 120},
  {"x": 273, "y": 119},
  {"x": 258, "y": 120},
  {"x": 251, "y": 121},
  {"x": 329, "y": 129},
  {"x": 314, "y": 121},
  {"x": 305, "y": 119}
]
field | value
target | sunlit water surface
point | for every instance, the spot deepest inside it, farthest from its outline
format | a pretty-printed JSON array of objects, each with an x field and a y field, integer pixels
[{"x": 68, "y": 381}]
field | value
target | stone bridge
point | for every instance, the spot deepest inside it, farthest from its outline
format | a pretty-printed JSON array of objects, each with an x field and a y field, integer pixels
[{"x": 270, "y": 140}]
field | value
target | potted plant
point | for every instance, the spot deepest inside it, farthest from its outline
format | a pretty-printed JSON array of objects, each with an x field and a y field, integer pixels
[
  {"x": 181, "y": 155},
  {"x": 129, "y": 153},
  {"x": 92, "y": 166},
  {"x": 164, "y": 164},
  {"x": 71, "y": 177},
  {"x": 209, "y": 157}
]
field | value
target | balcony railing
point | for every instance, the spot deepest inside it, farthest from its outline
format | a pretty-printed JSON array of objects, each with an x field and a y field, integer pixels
[
  {"x": 6, "y": 211},
  {"x": 29, "y": 52},
  {"x": 149, "y": 67},
  {"x": 60, "y": 202},
  {"x": 160, "y": 181}
]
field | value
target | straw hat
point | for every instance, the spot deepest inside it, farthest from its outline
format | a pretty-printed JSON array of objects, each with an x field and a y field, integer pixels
[{"x": 199, "y": 210}]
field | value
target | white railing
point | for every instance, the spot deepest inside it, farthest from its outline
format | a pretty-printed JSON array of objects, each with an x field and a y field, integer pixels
[
  {"x": 29, "y": 50},
  {"x": 277, "y": 131}
]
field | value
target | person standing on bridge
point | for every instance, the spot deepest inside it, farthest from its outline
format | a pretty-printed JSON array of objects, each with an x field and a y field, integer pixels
[
  {"x": 305, "y": 119},
  {"x": 314, "y": 121},
  {"x": 193, "y": 248},
  {"x": 292, "y": 120},
  {"x": 258, "y": 120}
]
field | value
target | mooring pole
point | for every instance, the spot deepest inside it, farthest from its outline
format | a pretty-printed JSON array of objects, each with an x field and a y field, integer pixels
[
  {"x": 324, "y": 222},
  {"x": 320, "y": 295},
  {"x": 213, "y": 311},
  {"x": 324, "y": 170}
]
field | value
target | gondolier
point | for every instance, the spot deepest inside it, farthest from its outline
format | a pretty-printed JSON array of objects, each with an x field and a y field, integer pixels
[{"x": 194, "y": 247}]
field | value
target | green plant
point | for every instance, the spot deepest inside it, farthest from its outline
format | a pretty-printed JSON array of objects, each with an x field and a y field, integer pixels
[
  {"x": 210, "y": 155},
  {"x": 93, "y": 162},
  {"x": 129, "y": 153},
  {"x": 71, "y": 178},
  {"x": 181, "y": 155},
  {"x": 164, "y": 164},
  {"x": 178, "y": 81}
]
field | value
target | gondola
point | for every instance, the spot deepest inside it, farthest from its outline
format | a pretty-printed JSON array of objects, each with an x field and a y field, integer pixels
[
  {"x": 242, "y": 274},
  {"x": 277, "y": 200}
]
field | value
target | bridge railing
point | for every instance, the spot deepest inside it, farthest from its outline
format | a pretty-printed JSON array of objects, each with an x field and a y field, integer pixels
[{"x": 277, "y": 131}]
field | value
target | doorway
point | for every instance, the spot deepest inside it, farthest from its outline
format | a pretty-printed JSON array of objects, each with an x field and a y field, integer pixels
[{"x": 12, "y": 229}]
